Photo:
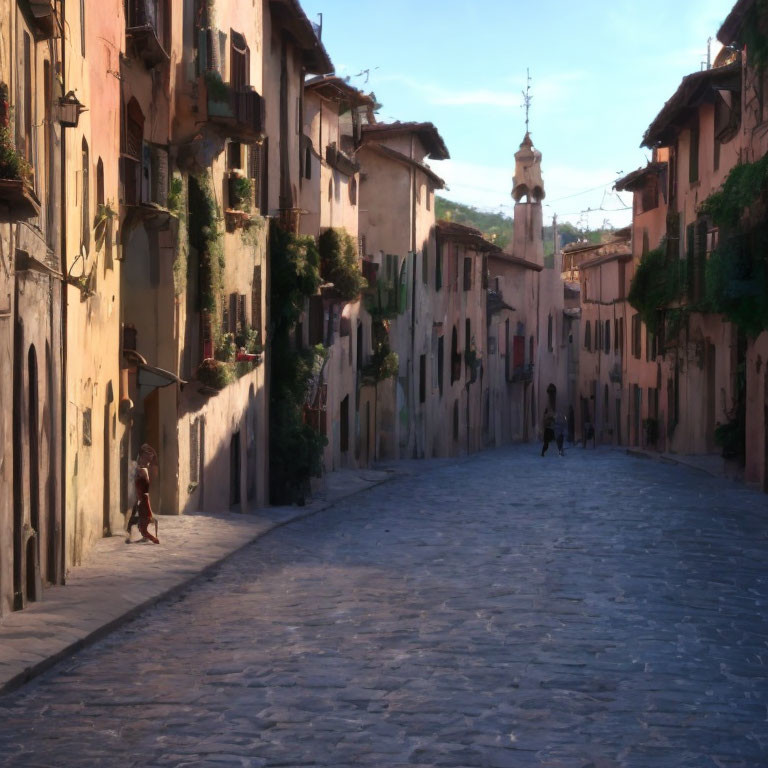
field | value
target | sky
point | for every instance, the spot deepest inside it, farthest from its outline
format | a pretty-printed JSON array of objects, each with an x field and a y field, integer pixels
[{"x": 600, "y": 72}]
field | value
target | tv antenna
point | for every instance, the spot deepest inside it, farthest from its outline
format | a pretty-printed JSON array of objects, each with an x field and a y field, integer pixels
[{"x": 527, "y": 99}]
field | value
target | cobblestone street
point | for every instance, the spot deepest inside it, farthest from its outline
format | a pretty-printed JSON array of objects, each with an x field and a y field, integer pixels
[{"x": 504, "y": 611}]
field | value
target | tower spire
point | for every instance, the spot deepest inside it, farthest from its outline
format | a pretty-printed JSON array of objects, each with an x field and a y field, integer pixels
[{"x": 527, "y": 99}]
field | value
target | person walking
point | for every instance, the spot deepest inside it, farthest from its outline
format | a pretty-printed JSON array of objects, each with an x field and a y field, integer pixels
[
  {"x": 549, "y": 432},
  {"x": 142, "y": 511},
  {"x": 560, "y": 429}
]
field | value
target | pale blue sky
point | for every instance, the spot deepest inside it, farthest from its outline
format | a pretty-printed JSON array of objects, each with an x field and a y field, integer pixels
[{"x": 601, "y": 71}]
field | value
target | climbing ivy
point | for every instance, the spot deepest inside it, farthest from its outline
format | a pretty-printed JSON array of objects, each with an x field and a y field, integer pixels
[
  {"x": 657, "y": 283},
  {"x": 741, "y": 189},
  {"x": 295, "y": 446},
  {"x": 737, "y": 279},
  {"x": 737, "y": 273},
  {"x": 205, "y": 237},
  {"x": 339, "y": 263},
  {"x": 753, "y": 35}
]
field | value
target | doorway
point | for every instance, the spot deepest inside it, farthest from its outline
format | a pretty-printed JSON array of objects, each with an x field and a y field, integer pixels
[{"x": 234, "y": 470}]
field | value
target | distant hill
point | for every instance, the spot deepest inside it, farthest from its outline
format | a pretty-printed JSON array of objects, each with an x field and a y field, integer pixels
[{"x": 499, "y": 228}]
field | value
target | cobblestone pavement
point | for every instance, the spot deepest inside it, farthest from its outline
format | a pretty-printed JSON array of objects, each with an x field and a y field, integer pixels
[{"x": 505, "y": 610}]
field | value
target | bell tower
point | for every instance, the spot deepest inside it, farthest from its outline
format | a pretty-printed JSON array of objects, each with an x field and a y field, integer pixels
[{"x": 528, "y": 192}]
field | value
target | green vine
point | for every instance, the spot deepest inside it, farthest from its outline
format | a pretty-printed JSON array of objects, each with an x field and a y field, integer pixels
[
  {"x": 383, "y": 363},
  {"x": 737, "y": 272},
  {"x": 741, "y": 189},
  {"x": 737, "y": 279},
  {"x": 296, "y": 447},
  {"x": 339, "y": 263},
  {"x": 657, "y": 283},
  {"x": 754, "y": 36},
  {"x": 177, "y": 202},
  {"x": 205, "y": 237}
]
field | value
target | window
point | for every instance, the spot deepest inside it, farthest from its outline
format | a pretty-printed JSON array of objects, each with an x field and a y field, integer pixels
[
  {"x": 588, "y": 337},
  {"x": 650, "y": 346},
  {"x": 650, "y": 193},
  {"x": 690, "y": 255},
  {"x": 693, "y": 156},
  {"x": 308, "y": 162},
  {"x": 636, "y": 336},
  {"x": 85, "y": 237},
  {"x": 422, "y": 378},
  {"x": 440, "y": 364},
  {"x": 518, "y": 353},
  {"x": 27, "y": 148},
  {"x": 467, "y": 273},
  {"x": 621, "y": 335},
  {"x": 99, "y": 182},
  {"x": 344, "y": 425},
  {"x": 549, "y": 333},
  {"x": 455, "y": 419},
  {"x": 330, "y": 189},
  {"x": 455, "y": 281},
  {"x": 607, "y": 337},
  {"x": 257, "y": 171},
  {"x": 238, "y": 62},
  {"x": 234, "y": 155},
  {"x": 87, "y": 430},
  {"x": 455, "y": 356},
  {"x": 467, "y": 336},
  {"x": 353, "y": 191},
  {"x": 133, "y": 153}
]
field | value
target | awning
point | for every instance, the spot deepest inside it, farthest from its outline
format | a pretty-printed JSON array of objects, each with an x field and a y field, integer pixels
[{"x": 149, "y": 378}]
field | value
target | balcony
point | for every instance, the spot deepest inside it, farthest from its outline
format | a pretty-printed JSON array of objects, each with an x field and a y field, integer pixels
[
  {"x": 47, "y": 16},
  {"x": 143, "y": 33},
  {"x": 19, "y": 198},
  {"x": 340, "y": 161},
  {"x": 522, "y": 373},
  {"x": 238, "y": 113}
]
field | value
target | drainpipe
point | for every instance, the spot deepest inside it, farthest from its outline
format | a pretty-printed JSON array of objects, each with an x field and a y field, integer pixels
[{"x": 63, "y": 247}]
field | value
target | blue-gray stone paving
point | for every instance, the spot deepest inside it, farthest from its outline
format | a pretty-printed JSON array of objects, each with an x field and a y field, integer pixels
[{"x": 503, "y": 611}]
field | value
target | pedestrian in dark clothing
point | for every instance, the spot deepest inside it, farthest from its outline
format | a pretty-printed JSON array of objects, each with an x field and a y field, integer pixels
[
  {"x": 549, "y": 431},
  {"x": 561, "y": 427}
]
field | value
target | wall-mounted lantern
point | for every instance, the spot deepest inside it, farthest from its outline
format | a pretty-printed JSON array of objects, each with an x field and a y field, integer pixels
[{"x": 69, "y": 110}]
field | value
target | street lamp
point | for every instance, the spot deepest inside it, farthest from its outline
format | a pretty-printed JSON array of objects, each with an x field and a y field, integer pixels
[{"x": 69, "y": 110}]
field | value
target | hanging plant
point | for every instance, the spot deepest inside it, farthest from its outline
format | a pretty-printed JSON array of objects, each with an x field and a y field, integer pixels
[
  {"x": 240, "y": 192},
  {"x": 214, "y": 374},
  {"x": 13, "y": 165}
]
